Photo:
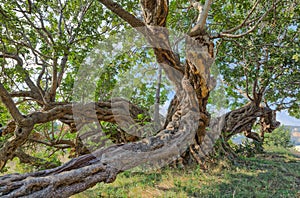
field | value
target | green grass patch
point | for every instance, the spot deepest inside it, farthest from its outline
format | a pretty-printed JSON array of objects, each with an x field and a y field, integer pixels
[{"x": 275, "y": 173}]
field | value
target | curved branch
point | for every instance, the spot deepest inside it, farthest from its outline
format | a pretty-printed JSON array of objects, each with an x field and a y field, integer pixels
[
  {"x": 27, "y": 79},
  {"x": 200, "y": 26},
  {"x": 122, "y": 13},
  {"x": 9, "y": 103},
  {"x": 245, "y": 20},
  {"x": 13, "y": 56},
  {"x": 114, "y": 111},
  {"x": 155, "y": 15},
  {"x": 38, "y": 162},
  {"x": 224, "y": 34},
  {"x": 104, "y": 164}
]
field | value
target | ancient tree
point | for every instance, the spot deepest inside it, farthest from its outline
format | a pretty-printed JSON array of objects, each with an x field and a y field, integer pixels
[{"x": 44, "y": 43}]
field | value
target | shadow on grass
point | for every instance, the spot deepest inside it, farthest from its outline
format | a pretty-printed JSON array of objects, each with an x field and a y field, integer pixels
[
  {"x": 268, "y": 175},
  {"x": 272, "y": 174}
]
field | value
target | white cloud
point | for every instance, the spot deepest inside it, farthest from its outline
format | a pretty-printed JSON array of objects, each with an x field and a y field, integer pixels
[{"x": 285, "y": 119}]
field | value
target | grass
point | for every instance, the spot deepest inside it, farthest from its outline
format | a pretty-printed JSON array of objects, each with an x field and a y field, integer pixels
[{"x": 275, "y": 173}]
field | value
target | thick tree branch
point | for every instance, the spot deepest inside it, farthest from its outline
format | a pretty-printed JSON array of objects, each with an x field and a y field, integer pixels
[
  {"x": 104, "y": 164},
  {"x": 22, "y": 132},
  {"x": 117, "y": 110},
  {"x": 22, "y": 94},
  {"x": 9, "y": 103},
  {"x": 28, "y": 81},
  {"x": 33, "y": 161},
  {"x": 155, "y": 14},
  {"x": 189, "y": 118},
  {"x": 122, "y": 13},
  {"x": 243, "y": 119},
  {"x": 200, "y": 26}
]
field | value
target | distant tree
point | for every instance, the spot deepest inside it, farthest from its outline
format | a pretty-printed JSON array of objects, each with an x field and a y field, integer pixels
[{"x": 280, "y": 137}]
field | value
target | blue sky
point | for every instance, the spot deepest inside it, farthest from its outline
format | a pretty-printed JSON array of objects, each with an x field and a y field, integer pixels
[
  {"x": 282, "y": 116},
  {"x": 285, "y": 119}
]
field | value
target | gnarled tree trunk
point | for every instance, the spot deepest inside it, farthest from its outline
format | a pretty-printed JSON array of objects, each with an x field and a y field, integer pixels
[{"x": 188, "y": 121}]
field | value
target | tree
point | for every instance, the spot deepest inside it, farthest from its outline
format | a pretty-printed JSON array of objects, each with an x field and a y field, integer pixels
[
  {"x": 264, "y": 69},
  {"x": 43, "y": 44}
]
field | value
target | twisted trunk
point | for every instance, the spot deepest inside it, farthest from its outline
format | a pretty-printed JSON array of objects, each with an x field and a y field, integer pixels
[
  {"x": 242, "y": 120},
  {"x": 187, "y": 122},
  {"x": 104, "y": 164}
]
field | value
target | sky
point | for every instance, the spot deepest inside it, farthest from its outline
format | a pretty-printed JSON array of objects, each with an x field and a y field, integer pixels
[
  {"x": 282, "y": 116},
  {"x": 285, "y": 119}
]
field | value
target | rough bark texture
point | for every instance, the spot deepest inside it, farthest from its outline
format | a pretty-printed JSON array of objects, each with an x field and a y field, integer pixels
[
  {"x": 104, "y": 164},
  {"x": 185, "y": 126},
  {"x": 199, "y": 55},
  {"x": 188, "y": 119},
  {"x": 115, "y": 111},
  {"x": 242, "y": 120}
]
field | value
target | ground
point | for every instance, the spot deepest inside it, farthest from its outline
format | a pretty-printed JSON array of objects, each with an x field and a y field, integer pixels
[{"x": 275, "y": 173}]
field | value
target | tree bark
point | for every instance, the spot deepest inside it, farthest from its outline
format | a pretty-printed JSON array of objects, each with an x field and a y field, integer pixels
[
  {"x": 156, "y": 116},
  {"x": 242, "y": 120},
  {"x": 116, "y": 110},
  {"x": 188, "y": 121},
  {"x": 104, "y": 164}
]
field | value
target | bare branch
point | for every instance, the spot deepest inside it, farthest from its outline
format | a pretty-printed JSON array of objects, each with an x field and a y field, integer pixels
[
  {"x": 9, "y": 103},
  {"x": 22, "y": 94},
  {"x": 123, "y": 14},
  {"x": 224, "y": 34},
  {"x": 28, "y": 159},
  {"x": 55, "y": 143},
  {"x": 245, "y": 21},
  {"x": 200, "y": 26},
  {"x": 53, "y": 114},
  {"x": 31, "y": 85}
]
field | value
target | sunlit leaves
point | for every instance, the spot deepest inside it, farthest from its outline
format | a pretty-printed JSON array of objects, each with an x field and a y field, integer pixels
[{"x": 268, "y": 56}]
